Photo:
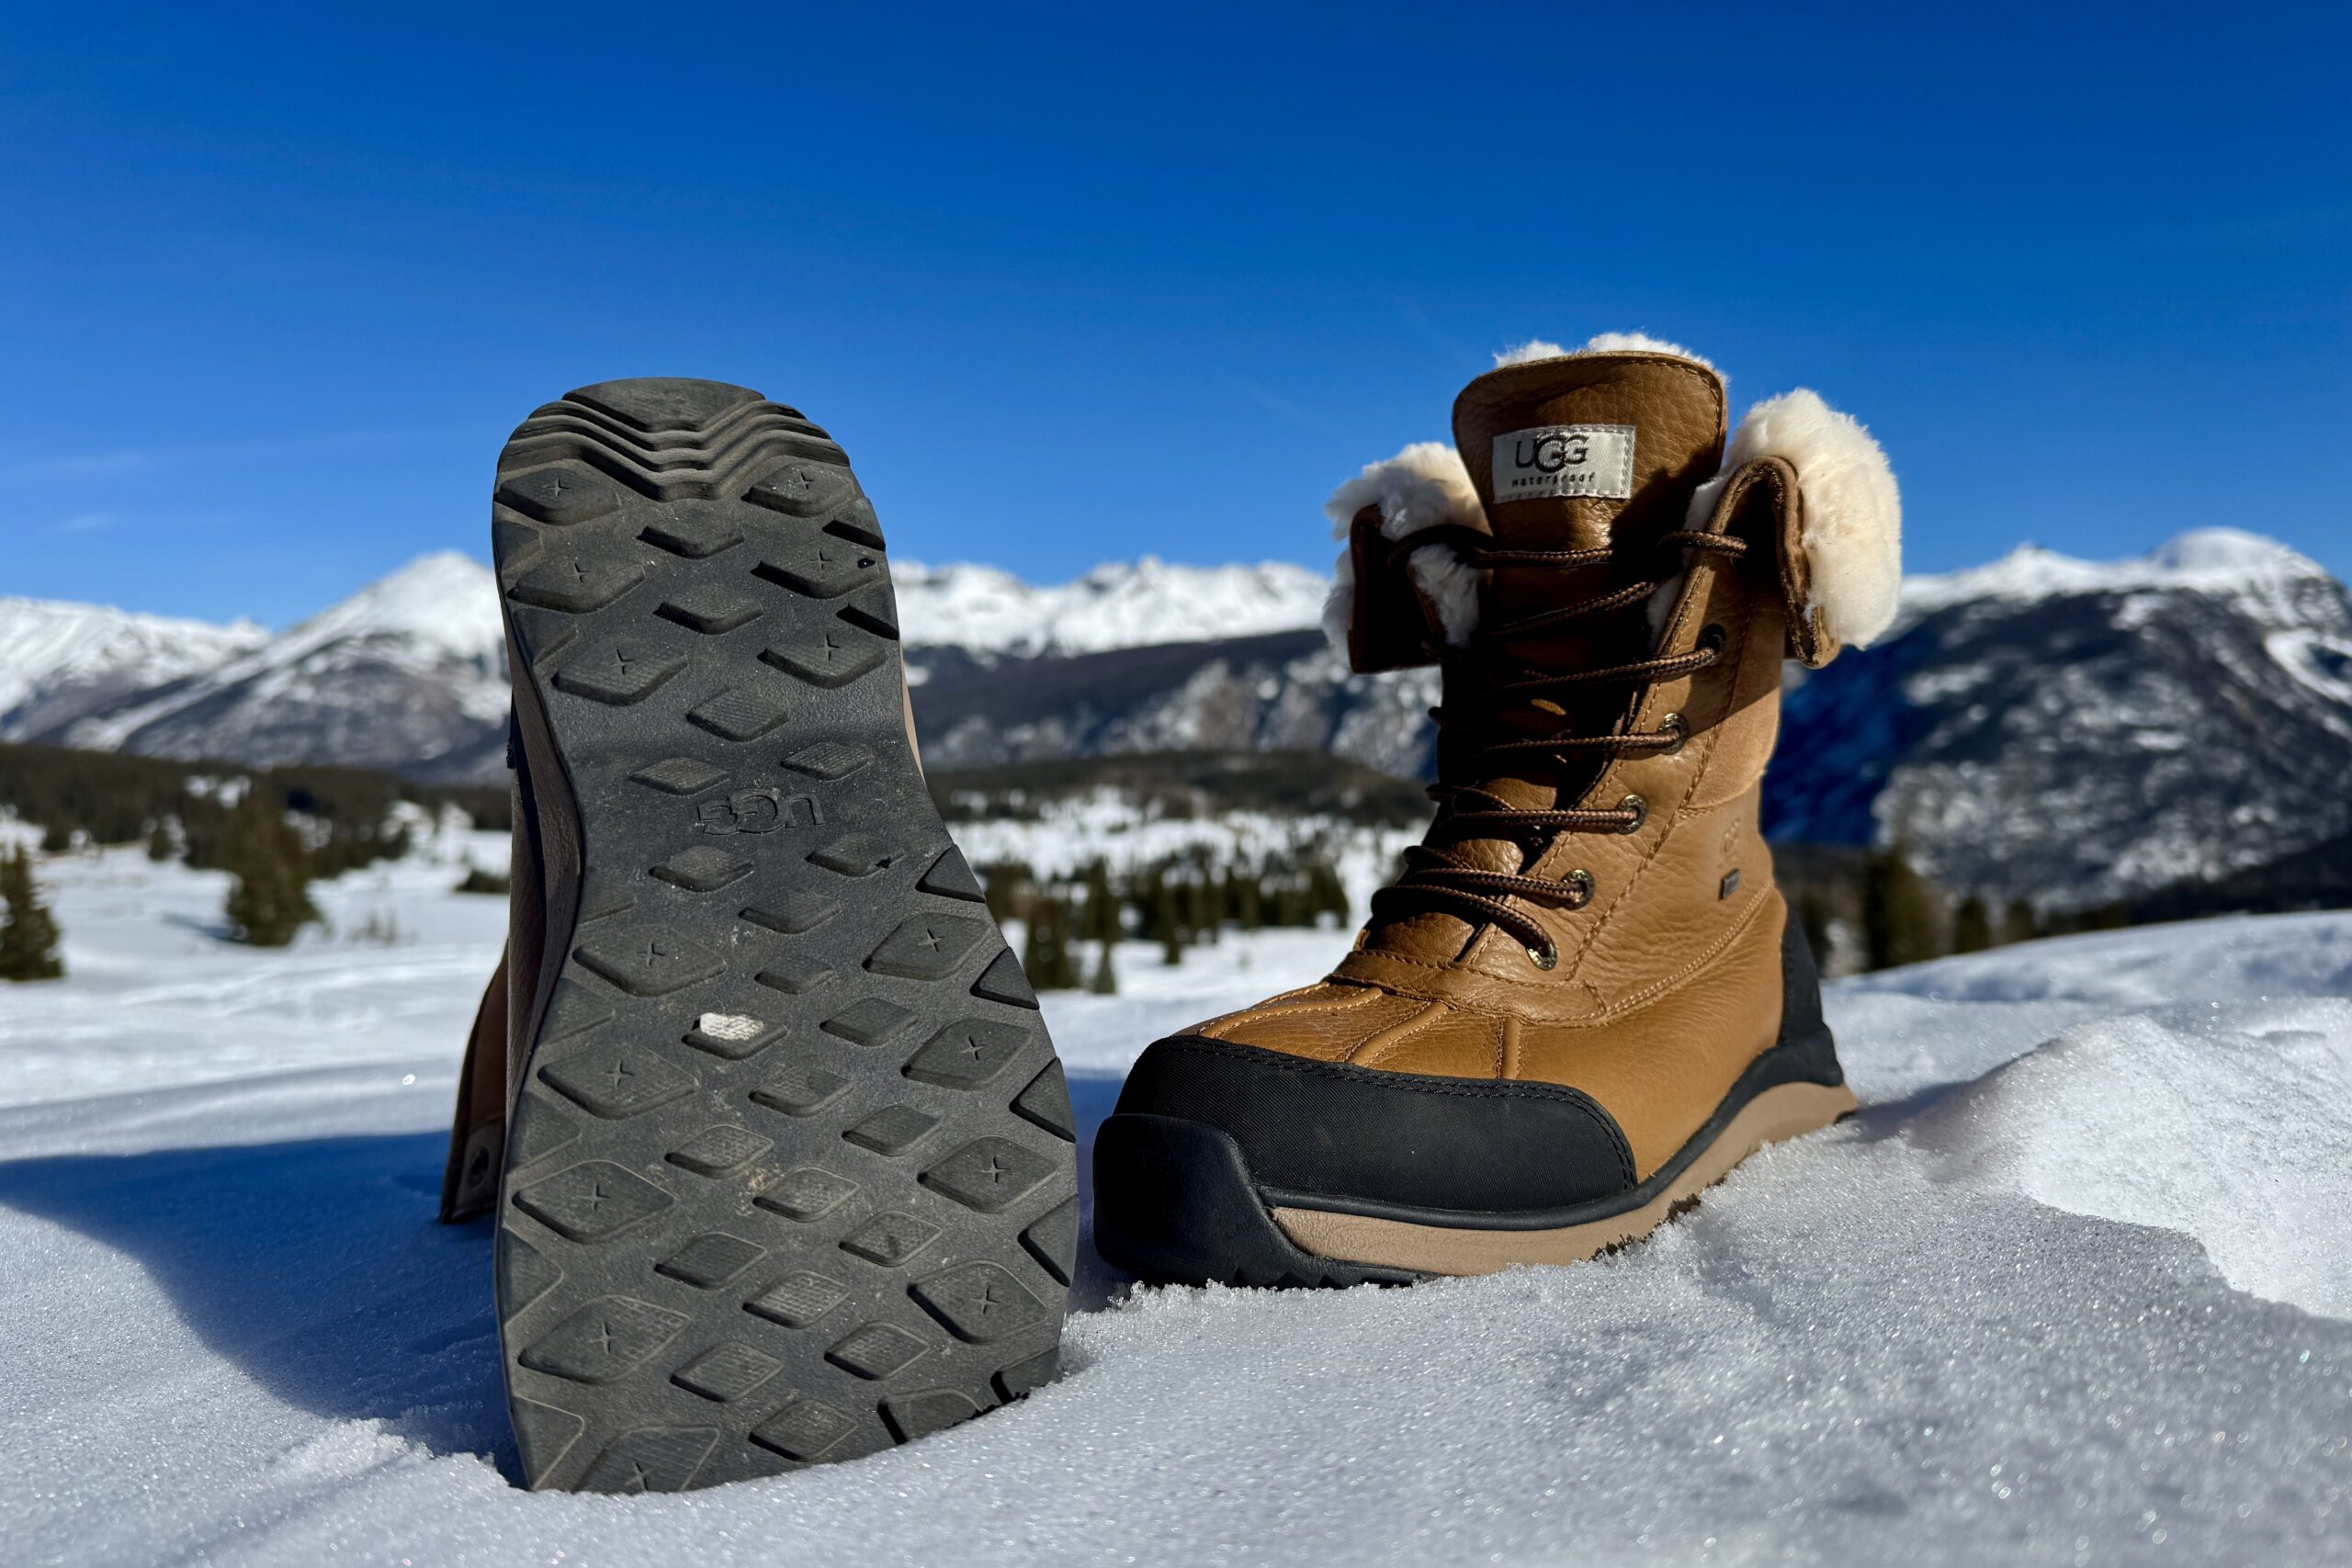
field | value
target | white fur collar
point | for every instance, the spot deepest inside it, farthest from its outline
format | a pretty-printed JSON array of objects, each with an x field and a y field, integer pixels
[
  {"x": 1425, "y": 486},
  {"x": 1601, "y": 342},
  {"x": 1852, "y": 510},
  {"x": 1852, "y": 533}
]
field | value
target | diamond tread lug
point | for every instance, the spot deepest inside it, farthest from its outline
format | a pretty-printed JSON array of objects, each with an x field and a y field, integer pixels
[{"x": 776, "y": 1182}]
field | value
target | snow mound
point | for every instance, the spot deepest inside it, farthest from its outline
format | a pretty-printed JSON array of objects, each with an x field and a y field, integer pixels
[{"x": 2211, "y": 1124}]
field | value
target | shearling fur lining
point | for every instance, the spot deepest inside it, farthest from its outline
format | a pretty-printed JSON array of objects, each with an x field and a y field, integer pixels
[
  {"x": 1852, "y": 533},
  {"x": 1602, "y": 342},
  {"x": 1425, "y": 486}
]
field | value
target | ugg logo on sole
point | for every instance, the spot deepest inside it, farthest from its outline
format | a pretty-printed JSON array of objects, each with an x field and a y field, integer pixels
[
  {"x": 1554, "y": 461},
  {"x": 758, "y": 811}
]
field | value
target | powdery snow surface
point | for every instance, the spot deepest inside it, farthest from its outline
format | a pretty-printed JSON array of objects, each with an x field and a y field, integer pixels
[{"x": 2073, "y": 1289}]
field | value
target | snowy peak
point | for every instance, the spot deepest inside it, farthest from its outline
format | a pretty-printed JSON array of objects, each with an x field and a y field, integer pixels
[
  {"x": 2228, "y": 561},
  {"x": 443, "y": 605},
  {"x": 408, "y": 674},
  {"x": 2229, "y": 553},
  {"x": 59, "y": 660},
  {"x": 1137, "y": 604}
]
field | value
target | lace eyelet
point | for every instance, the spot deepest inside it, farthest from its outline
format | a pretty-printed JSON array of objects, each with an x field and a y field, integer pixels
[
  {"x": 1640, "y": 810},
  {"x": 1579, "y": 886},
  {"x": 1544, "y": 958},
  {"x": 1674, "y": 724},
  {"x": 1714, "y": 639}
]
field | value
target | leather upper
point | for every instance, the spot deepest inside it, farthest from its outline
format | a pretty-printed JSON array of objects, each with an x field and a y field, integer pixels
[{"x": 1668, "y": 983}]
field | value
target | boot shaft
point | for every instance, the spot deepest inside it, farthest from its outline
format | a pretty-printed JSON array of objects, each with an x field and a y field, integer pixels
[{"x": 1610, "y": 603}]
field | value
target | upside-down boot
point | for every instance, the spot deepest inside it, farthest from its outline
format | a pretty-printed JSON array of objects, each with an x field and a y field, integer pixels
[
  {"x": 1583, "y": 1001},
  {"x": 781, "y": 1160}
]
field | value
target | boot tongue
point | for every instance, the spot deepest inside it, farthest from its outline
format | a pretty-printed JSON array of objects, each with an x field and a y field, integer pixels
[
  {"x": 1590, "y": 451},
  {"x": 1585, "y": 452}
]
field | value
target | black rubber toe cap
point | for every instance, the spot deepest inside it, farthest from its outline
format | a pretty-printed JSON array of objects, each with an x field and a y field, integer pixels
[{"x": 1353, "y": 1138}]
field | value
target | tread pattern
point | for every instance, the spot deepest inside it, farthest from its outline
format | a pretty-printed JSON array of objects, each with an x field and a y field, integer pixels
[{"x": 791, "y": 1177}]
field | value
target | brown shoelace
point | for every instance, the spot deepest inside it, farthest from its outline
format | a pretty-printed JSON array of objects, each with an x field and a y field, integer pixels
[{"x": 1434, "y": 878}]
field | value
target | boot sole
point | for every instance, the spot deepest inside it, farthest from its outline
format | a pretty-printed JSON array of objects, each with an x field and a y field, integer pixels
[
  {"x": 791, "y": 1172},
  {"x": 1176, "y": 1203}
]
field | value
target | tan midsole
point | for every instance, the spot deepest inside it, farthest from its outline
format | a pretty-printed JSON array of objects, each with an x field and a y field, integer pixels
[{"x": 1777, "y": 1113}]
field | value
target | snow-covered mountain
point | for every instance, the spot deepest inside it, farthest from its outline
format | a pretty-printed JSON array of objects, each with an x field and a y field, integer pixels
[
  {"x": 409, "y": 674},
  {"x": 1138, "y": 604},
  {"x": 60, "y": 661},
  {"x": 2229, "y": 563},
  {"x": 2075, "y": 733}
]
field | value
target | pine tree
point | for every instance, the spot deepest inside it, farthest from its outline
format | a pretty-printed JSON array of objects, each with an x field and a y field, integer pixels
[
  {"x": 1812, "y": 916},
  {"x": 1326, "y": 894},
  {"x": 159, "y": 841},
  {"x": 1168, "y": 919},
  {"x": 1248, "y": 899},
  {"x": 1102, "y": 914},
  {"x": 1971, "y": 925},
  {"x": 1006, "y": 884},
  {"x": 1048, "y": 955},
  {"x": 27, "y": 934},
  {"x": 1899, "y": 914},
  {"x": 1201, "y": 909},
  {"x": 270, "y": 899},
  {"x": 2018, "y": 922}
]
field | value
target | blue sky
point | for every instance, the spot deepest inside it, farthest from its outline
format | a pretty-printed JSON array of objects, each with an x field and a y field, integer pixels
[{"x": 1075, "y": 285}]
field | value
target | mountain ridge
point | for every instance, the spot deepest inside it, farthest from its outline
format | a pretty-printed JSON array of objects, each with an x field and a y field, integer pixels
[{"x": 2040, "y": 726}]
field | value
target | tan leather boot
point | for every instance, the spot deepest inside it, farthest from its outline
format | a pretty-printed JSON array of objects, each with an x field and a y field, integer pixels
[
  {"x": 1583, "y": 1002},
  {"x": 782, "y": 1158}
]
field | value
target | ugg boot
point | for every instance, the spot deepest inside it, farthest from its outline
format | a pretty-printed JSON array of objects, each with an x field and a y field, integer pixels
[
  {"x": 1583, "y": 1001},
  {"x": 782, "y": 1158}
]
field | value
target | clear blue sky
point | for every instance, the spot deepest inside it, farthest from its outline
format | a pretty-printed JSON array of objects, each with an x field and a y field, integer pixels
[{"x": 1077, "y": 285}]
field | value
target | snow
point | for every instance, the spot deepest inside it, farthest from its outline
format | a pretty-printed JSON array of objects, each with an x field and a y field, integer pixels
[
  {"x": 1068, "y": 835},
  {"x": 2072, "y": 1289},
  {"x": 1119, "y": 604}
]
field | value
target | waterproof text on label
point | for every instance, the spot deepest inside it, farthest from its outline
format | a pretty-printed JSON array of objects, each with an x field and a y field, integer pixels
[{"x": 1594, "y": 460}]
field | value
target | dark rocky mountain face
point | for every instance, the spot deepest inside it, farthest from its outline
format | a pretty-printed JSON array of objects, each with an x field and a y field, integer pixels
[
  {"x": 1284, "y": 692},
  {"x": 2085, "y": 746}
]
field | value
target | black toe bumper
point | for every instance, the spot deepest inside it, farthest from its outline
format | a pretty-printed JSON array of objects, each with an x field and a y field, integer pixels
[
  {"x": 1336, "y": 1136},
  {"x": 1209, "y": 1135}
]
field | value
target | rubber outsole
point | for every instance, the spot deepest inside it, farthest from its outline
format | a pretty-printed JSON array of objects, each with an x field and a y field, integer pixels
[
  {"x": 1787, "y": 1112},
  {"x": 790, "y": 1174},
  {"x": 1176, "y": 1201},
  {"x": 1187, "y": 1211}
]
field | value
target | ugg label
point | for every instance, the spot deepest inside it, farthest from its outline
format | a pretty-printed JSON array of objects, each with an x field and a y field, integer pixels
[{"x": 1593, "y": 460}]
